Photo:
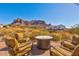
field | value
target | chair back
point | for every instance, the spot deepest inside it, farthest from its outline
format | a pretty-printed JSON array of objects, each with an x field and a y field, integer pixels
[
  {"x": 75, "y": 39},
  {"x": 11, "y": 42}
]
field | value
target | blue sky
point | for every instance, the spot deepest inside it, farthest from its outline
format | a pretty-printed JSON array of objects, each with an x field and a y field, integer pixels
[{"x": 66, "y": 14}]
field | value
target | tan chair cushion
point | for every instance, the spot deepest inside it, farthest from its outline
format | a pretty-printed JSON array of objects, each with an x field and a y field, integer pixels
[
  {"x": 68, "y": 45},
  {"x": 20, "y": 53},
  {"x": 54, "y": 52},
  {"x": 63, "y": 51},
  {"x": 24, "y": 47},
  {"x": 25, "y": 43},
  {"x": 66, "y": 48}
]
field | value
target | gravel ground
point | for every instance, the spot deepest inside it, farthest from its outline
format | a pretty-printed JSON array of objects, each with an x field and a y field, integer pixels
[{"x": 3, "y": 49}]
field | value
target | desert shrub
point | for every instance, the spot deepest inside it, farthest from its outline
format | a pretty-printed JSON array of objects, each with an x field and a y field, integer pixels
[
  {"x": 57, "y": 37},
  {"x": 43, "y": 33},
  {"x": 74, "y": 30},
  {"x": 1, "y": 36},
  {"x": 33, "y": 27},
  {"x": 37, "y": 33}
]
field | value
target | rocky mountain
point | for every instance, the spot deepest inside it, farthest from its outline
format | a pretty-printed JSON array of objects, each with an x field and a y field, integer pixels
[
  {"x": 75, "y": 26},
  {"x": 56, "y": 27},
  {"x": 19, "y": 21},
  {"x": 37, "y": 23}
]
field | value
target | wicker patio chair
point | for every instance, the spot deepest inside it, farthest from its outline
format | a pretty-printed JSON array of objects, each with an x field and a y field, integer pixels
[
  {"x": 18, "y": 49},
  {"x": 57, "y": 51}
]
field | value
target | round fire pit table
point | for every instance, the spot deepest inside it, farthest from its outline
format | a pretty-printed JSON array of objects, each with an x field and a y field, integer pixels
[{"x": 43, "y": 42}]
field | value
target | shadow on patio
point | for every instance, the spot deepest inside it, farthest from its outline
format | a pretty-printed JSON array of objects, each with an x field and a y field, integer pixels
[{"x": 4, "y": 49}]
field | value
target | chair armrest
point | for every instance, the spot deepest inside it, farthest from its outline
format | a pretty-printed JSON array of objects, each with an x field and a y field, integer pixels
[{"x": 68, "y": 45}]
